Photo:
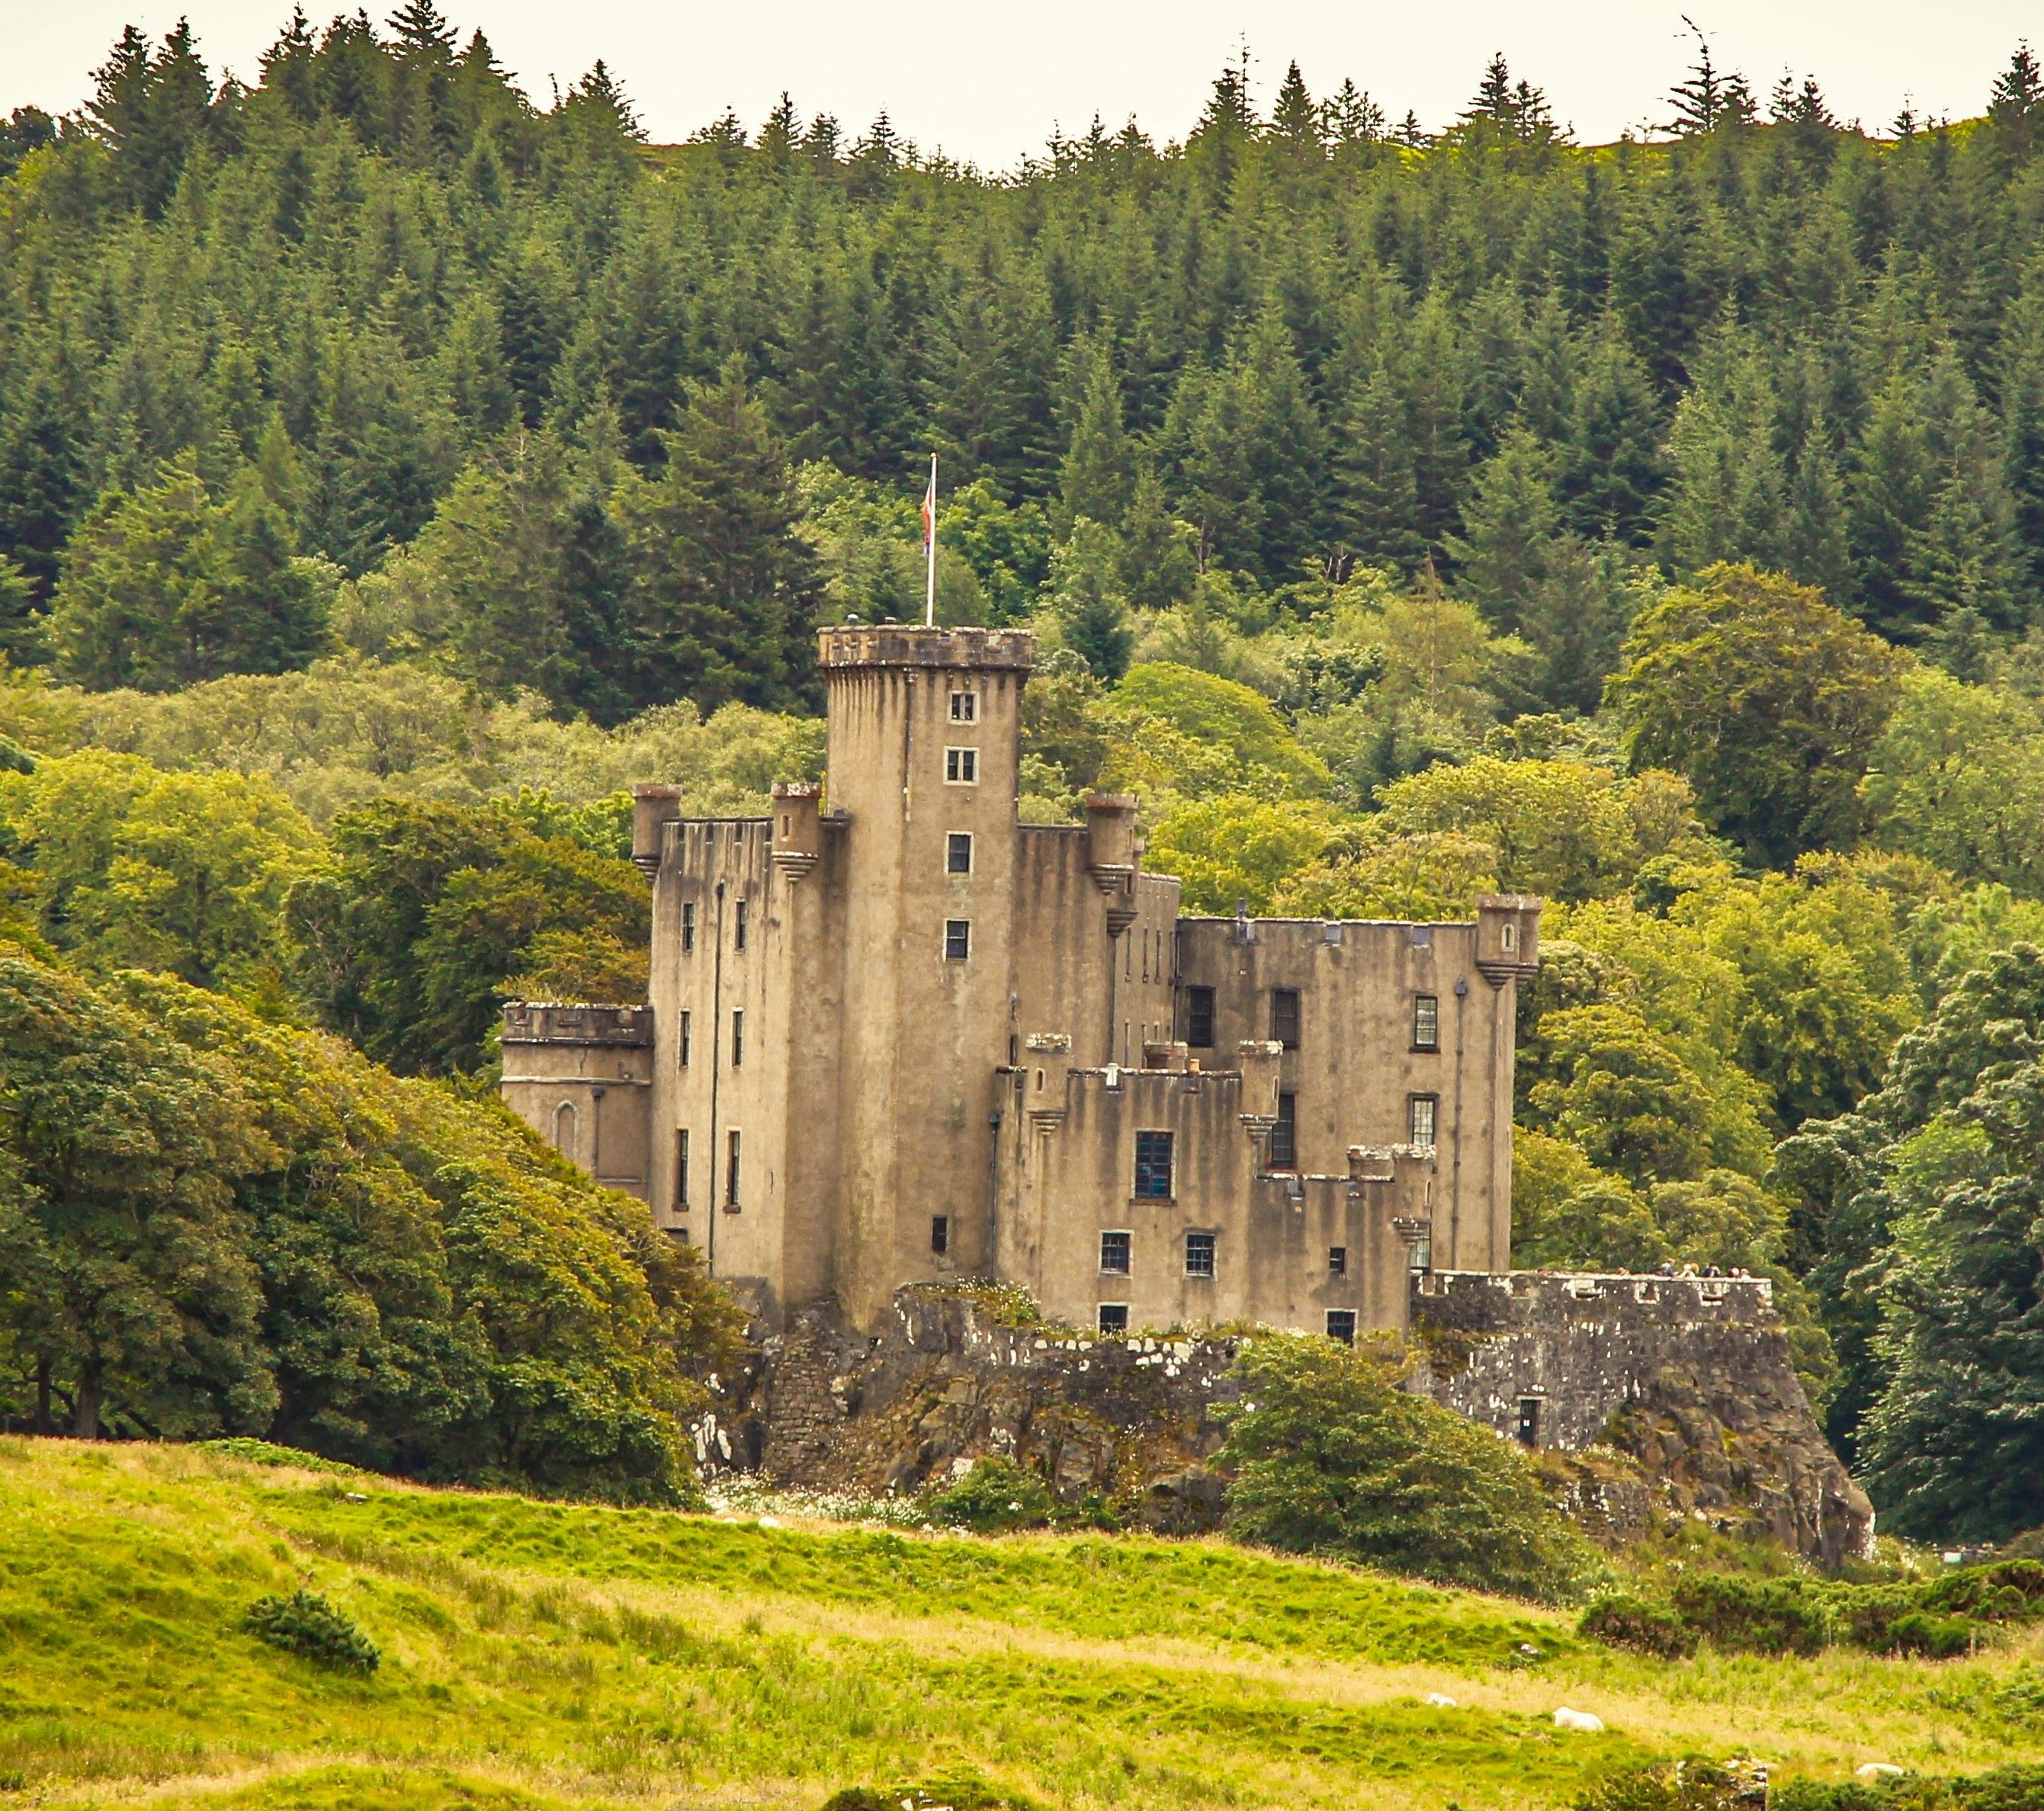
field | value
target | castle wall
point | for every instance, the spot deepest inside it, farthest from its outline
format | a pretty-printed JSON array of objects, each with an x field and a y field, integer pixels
[
  {"x": 1358, "y": 1067},
  {"x": 582, "y": 1077}
]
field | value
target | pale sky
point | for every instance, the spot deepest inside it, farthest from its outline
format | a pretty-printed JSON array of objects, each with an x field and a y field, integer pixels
[{"x": 987, "y": 83}]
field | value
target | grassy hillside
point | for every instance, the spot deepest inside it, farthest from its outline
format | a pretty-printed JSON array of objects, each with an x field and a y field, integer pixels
[{"x": 542, "y": 1655}]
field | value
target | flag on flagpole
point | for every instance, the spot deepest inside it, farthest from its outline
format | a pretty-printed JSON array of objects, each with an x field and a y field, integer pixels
[{"x": 930, "y": 545}]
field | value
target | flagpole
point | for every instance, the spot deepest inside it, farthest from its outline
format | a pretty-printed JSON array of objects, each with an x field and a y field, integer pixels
[{"x": 930, "y": 541}]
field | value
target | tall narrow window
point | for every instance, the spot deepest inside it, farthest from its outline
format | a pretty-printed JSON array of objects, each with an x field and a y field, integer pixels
[
  {"x": 940, "y": 1233},
  {"x": 685, "y": 1045},
  {"x": 1153, "y": 1166},
  {"x": 1337, "y": 1260},
  {"x": 958, "y": 852},
  {"x": 1284, "y": 1133},
  {"x": 1425, "y": 1109},
  {"x": 731, "y": 1174},
  {"x": 1341, "y": 1325},
  {"x": 688, "y": 926},
  {"x": 564, "y": 1129},
  {"x": 745, "y": 913},
  {"x": 1114, "y": 1253},
  {"x": 681, "y": 1167},
  {"x": 1199, "y": 1254},
  {"x": 958, "y": 939},
  {"x": 965, "y": 707},
  {"x": 1285, "y": 1017},
  {"x": 1426, "y": 1021},
  {"x": 737, "y": 1037},
  {"x": 1200, "y": 1018},
  {"x": 962, "y": 766}
]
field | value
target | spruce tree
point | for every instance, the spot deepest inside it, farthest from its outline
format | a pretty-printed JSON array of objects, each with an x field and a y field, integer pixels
[
  {"x": 724, "y": 590},
  {"x": 1093, "y": 479},
  {"x": 1510, "y": 521},
  {"x": 1379, "y": 506}
]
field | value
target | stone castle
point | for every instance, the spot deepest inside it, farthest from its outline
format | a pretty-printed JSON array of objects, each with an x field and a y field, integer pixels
[{"x": 909, "y": 1038}]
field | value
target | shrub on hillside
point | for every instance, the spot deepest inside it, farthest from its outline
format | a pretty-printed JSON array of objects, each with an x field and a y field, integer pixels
[
  {"x": 959, "y": 1792},
  {"x": 306, "y": 1625},
  {"x": 1331, "y": 1456},
  {"x": 995, "y": 1496},
  {"x": 1692, "y": 1785},
  {"x": 1640, "y": 1626},
  {"x": 1753, "y": 1615},
  {"x": 2019, "y": 1788}
]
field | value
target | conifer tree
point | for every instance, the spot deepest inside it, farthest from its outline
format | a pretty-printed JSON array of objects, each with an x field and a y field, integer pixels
[
  {"x": 1510, "y": 521},
  {"x": 1093, "y": 479},
  {"x": 1379, "y": 504},
  {"x": 725, "y": 591}
]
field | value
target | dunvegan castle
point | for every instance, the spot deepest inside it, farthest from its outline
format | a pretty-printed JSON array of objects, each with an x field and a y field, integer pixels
[{"x": 896, "y": 1035}]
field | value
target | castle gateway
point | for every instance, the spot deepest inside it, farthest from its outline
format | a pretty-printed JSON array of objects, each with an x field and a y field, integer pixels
[{"x": 911, "y": 1038}]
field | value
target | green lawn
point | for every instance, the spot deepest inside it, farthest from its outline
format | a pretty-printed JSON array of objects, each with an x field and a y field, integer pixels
[{"x": 539, "y": 1654}]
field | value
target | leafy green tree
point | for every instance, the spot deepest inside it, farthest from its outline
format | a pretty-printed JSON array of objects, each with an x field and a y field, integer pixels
[
  {"x": 1957, "y": 778},
  {"x": 1225, "y": 716},
  {"x": 408, "y": 945},
  {"x": 133, "y": 1291},
  {"x": 185, "y": 874},
  {"x": 1612, "y": 1087},
  {"x": 1333, "y": 1457},
  {"x": 1766, "y": 699},
  {"x": 1233, "y": 851}
]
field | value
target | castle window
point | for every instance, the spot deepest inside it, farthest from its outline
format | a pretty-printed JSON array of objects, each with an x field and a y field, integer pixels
[
  {"x": 1285, "y": 1017},
  {"x": 688, "y": 927},
  {"x": 1426, "y": 1021},
  {"x": 731, "y": 1175},
  {"x": 940, "y": 1233},
  {"x": 687, "y": 1042},
  {"x": 1424, "y": 1109},
  {"x": 1285, "y": 1133},
  {"x": 1423, "y": 936},
  {"x": 745, "y": 913},
  {"x": 965, "y": 707},
  {"x": 1199, "y": 1254},
  {"x": 1527, "y": 1432},
  {"x": 962, "y": 766},
  {"x": 737, "y": 1037},
  {"x": 1200, "y": 1018},
  {"x": 564, "y": 1128},
  {"x": 958, "y": 939},
  {"x": 1153, "y": 1166},
  {"x": 958, "y": 852},
  {"x": 1114, "y": 1254},
  {"x": 1113, "y": 1317},
  {"x": 1511, "y": 937},
  {"x": 1341, "y": 1325},
  {"x": 682, "y": 1169},
  {"x": 1337, "y": 1260}
]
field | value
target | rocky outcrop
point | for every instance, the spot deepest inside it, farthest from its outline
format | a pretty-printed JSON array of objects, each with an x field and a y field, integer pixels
[
  {"x": 1688, "y": 1378},
  {"x": 1128, "y": 1422},
  {"x": 1643, "y": 1397}
]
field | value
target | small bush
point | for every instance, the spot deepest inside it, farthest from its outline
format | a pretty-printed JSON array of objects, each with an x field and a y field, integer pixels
[
  {"x": 2007, "y": 1591},
  {"x": 1754, "y": 1616},
  {"x": 964, "y": 1792},
  {"x": 268, "y": 1452},
  {"x": 309, "y": 1626},
  {"x": 996, "y": 1496},
  {"x": 1935, "y": 1637},
  {"x": 1639, "y": 1626},
  {"x": 1690, "y": 1785}
]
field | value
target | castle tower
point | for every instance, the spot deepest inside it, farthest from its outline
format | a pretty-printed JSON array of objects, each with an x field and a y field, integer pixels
[{"x": 923, "y": 754}]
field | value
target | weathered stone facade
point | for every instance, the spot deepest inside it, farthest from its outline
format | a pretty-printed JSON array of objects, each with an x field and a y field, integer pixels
[
  {"x": 909, "y": 1038},
  {"x": 1689, "y": 1376}
]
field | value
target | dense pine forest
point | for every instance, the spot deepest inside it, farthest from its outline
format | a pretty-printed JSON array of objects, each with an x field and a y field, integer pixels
[{"x": 393, "y": 469}]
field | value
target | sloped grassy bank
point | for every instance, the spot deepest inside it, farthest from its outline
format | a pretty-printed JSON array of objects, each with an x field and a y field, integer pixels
[{"x": 537, "y": 1654}]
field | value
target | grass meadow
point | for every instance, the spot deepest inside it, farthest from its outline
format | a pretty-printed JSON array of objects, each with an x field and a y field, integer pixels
[{"x": 544, "y": 1654}]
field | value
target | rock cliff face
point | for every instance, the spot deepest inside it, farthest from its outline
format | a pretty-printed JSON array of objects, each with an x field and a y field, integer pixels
[
  {"x": 1128, "y": 1422},
  {"x": 1689, "y": 1378},
  {"x": 1644, "y": 1396}
]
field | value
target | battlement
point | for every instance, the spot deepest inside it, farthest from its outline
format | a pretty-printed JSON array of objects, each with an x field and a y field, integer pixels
[
  {"x": 567, "y": 1021},
  {"x": 901, "y": 644},
  {"x": 1487, "y": 1302}
]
